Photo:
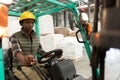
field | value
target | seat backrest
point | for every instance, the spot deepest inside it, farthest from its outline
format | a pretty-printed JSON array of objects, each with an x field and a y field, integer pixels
[
  {"x": 9, "y": 75},
  {"x": 8, "y": 58}
]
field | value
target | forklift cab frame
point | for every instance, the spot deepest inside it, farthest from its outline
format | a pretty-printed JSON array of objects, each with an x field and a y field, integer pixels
[{"x": 44, "y": 7}]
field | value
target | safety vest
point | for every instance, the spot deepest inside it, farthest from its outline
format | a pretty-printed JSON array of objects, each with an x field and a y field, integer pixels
[{"x": 27, "y": 44}]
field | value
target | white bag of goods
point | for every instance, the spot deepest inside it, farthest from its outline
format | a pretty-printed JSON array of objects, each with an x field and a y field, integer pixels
[
  {"x": 71, "y": 48},
  {"x": 50, "y": 42},
  {"x": 46, "y": 25}
]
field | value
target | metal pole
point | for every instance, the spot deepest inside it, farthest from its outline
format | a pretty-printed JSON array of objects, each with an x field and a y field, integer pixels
[
  {"x": 64, "y": 18},
  {"x": 57, "y": 23},
  {"x": 89, "y": 11},
  {"x": 95, "y": 24}
]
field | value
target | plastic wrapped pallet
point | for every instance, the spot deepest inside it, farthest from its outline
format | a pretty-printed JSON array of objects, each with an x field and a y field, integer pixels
[
  {"x": 5, "y": 43},
  {"x": 71, "y": 48},
  {"x": 50, "y": 42},
  {"x": 46, "y": 25},
  {"x": 62, "y": 30},
  {"x": 13, "y": 25},
  {"x": 113, "y": 55}
]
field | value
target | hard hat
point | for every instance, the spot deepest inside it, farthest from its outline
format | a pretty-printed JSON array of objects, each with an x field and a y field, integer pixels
[{"x": 27, "y": 15}]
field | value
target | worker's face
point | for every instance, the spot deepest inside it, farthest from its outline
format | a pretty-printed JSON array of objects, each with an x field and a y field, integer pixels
[{"x": 28, "y": 25}]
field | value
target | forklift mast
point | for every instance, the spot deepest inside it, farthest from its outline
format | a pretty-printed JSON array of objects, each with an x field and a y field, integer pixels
[
  {"x": 108, "y": 36},
  {"x": 44, "y": 7}
]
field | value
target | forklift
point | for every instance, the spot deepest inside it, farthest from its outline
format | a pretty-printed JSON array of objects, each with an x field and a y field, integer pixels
[{"x": 44, "y": 7}]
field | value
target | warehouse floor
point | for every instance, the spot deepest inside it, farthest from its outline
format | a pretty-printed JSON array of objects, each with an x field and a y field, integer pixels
[
  {"x": 83, "y": 67},
  {"x": 112, "y": 65}
]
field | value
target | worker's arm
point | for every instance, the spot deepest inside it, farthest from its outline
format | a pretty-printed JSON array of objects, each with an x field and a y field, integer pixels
[
  {"x": 26, "y": 60},
  {"x": 88, "y": 29},
  {"x": 40, "y": 50}
]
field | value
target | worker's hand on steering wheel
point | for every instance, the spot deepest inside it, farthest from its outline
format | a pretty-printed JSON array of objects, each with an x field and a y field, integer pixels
[
  {"x": 29, "y": 60},
  {"x": 56, "y": 53},
  {"x": 59, "y": 53}
]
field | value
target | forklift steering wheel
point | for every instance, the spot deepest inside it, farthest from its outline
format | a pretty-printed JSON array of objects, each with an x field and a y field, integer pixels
[{"x": 50, "y": 55}]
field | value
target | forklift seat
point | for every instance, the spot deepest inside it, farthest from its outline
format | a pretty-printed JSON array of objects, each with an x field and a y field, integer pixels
[{"x": 8, "y": 59}]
